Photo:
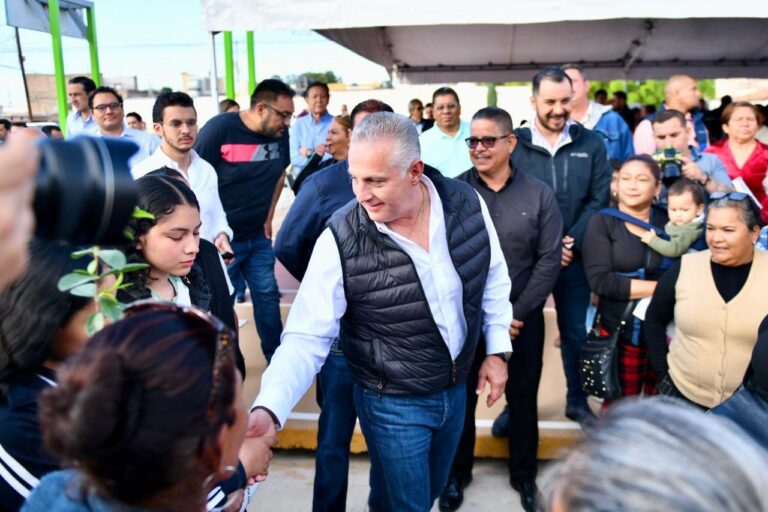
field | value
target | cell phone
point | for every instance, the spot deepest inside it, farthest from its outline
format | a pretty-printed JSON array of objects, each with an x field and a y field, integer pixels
[{"x": 227, "y": 255}]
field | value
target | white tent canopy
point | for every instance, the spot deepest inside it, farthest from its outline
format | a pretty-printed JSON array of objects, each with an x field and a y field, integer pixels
[{"x": 429, "y": 41}]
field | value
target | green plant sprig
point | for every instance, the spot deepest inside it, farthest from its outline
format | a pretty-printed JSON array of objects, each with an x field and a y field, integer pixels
[{"x": 85, "y": 283}]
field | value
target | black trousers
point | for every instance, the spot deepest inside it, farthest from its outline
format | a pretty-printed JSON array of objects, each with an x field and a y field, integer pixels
[{"x": 524, "y": 370}]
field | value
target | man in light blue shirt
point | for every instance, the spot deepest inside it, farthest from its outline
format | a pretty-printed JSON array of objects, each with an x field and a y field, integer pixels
[
  {"x": 308, "y": 133},
  {"x": 443, "y": 146},
  {"x": 81, "y": 120},
  {"x": 107, "y": 107}
]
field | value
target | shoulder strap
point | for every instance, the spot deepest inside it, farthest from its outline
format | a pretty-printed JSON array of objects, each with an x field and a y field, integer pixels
[{"x": 615, "y": 212}]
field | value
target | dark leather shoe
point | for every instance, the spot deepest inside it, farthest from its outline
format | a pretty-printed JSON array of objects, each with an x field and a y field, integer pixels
[
  {"x": 453, "y": 494},
  {"x": 500, "y": 426},
  {"x": 527, "y": 490},
  {"x": 582, "y": 415}
]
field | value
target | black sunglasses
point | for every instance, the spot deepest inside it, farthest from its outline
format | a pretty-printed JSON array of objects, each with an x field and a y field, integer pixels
[
  {"x": 488, "y": 142},
  {"x": 224, "y": 336}
]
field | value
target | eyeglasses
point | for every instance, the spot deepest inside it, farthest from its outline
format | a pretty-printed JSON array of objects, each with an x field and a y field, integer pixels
[
  {"x": 488, "y": 142},
  {"x": 176, "y": 124},
  {"x": 111, "y": 106},
  {"x": 224, "y": 337},
  {"x": 450, "y": 106},
  {"x": 287, "y": 116}
]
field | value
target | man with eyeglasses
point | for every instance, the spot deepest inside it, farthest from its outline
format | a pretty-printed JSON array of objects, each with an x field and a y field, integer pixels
[
  {"x": 308, "y": 133},
  {"x": 249, "y": 151},
  {"x": 107, "y": 107},
  {"x": 443, "y": 145},
  {"x": 527, "y": 219},
  {"x": 174, "y": 120},
  {"x": 573, "y": 162}
]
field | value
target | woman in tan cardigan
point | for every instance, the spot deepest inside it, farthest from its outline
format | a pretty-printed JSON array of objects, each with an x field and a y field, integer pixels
[{"x": 717, "y": 300}]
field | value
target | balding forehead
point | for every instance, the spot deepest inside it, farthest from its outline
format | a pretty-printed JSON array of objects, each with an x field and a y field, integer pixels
[{"x": 677, "y": 82}]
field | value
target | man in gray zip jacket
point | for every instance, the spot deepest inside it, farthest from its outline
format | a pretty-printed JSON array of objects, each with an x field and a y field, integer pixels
[{"x": 573, "y": 162}]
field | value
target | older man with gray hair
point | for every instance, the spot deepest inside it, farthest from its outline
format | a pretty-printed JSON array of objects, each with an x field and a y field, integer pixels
[{"x": 413, "y": 274}]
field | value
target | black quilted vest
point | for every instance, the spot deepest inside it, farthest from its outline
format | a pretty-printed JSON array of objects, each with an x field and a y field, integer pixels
[{"x": 389, "y": 336}]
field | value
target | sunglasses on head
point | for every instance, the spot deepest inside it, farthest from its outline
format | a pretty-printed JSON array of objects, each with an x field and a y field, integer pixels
[
  {"x": 224, "y": 335},
  {"x": 735, "y": 196},
  {"x": 738, "y": 196},
  {"x": 488, "y": 142}
]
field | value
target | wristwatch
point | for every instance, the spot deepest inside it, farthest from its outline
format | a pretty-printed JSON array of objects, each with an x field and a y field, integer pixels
[{"x": 504, "y": 356}]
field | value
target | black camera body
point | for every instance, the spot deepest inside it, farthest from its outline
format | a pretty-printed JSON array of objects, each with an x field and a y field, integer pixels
[
  {"x": 84, "y": 194},
  {"x": 670, "y": 163}
]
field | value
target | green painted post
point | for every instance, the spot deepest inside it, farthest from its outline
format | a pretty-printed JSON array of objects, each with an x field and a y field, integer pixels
[
  {"x": 93, "y": 46},
  {"x": 54, "y": 18},
  {"x": 251, "y": 62},
  {"x": 491, "y": 96},
  {"x": 229, "y": 65}
]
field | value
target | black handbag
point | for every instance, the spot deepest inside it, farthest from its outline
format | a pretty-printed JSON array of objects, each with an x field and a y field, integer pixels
[{"x": 599, "y": 359}]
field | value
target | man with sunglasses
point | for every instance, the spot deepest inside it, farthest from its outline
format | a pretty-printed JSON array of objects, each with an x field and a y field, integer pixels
[
  {"x": 416, "y": 114},
  {"x": 174, "y": 120},
  {"x": 573, "y": 162},
  {"x": 249, "y": 151},
  {"x": 527, "y": 218},
  {"x": 442, "y": 146},
  {"x": 107, "y": 107}
]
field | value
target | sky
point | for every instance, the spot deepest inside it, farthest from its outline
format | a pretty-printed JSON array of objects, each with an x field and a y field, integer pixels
[{"x": 157, "y": 40}]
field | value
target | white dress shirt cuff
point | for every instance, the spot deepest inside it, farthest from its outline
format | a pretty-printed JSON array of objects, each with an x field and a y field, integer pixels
[{"x": 497, "y": 340}]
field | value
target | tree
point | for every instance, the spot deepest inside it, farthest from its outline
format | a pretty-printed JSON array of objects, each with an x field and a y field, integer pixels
[
  {"x": 647, "y": 92},
  {"x": 301, "y": 81}
]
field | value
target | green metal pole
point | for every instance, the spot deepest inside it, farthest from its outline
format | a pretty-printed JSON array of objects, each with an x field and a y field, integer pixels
[
  {"x": 229, "y": 65},
  {"x": 251, "y": 62},
  {"x": 93, "y": 46},
  {"x": 58, "y": 62}
]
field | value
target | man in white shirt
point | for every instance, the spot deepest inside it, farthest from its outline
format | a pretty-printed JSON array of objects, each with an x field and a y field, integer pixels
[
  {"x": 107, "y": 107},
  {"x": 80, "y": 121},
  {"x": 413, "y": 274},
  {"x": 175, "y": 121},
  {"x": 443, "y": 146}
]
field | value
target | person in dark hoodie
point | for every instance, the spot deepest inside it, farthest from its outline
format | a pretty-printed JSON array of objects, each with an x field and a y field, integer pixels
[
  {"x": 748, "y": 406},
  {"x": 573, "y": 162}
]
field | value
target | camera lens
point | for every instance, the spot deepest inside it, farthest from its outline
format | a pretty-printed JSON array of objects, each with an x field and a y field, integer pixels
[{"x": 85, "y": 193}]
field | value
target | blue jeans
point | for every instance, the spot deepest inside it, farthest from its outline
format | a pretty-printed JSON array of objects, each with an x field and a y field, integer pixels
[
  {"x": 571, "y": 295},
  {"x": 411, "y": 443},
  {"x": 334, "y": 434},
  {"x": 255, "y": 259},
  {"x": 238, "y": 283}
]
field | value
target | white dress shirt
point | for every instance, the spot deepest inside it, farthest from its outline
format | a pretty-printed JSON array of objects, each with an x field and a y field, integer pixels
[
  {"x": 313, "y": 321},
  {"x": 204, "y": 183},
  {"x": 537, "y": 138}
]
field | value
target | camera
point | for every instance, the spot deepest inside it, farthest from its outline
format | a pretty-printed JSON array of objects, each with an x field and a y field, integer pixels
[
  {"x": 84, "y": 193},
  {"x": 670, "y": 163}
]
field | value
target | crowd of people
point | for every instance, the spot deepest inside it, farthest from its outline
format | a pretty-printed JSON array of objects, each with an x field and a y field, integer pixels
[{"x": 426, "y": 247}]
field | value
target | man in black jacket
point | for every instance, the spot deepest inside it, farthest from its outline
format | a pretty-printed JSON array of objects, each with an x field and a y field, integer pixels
[
  {"x": 528, "y": 221},
  {"x": 573, "y": 162}
]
